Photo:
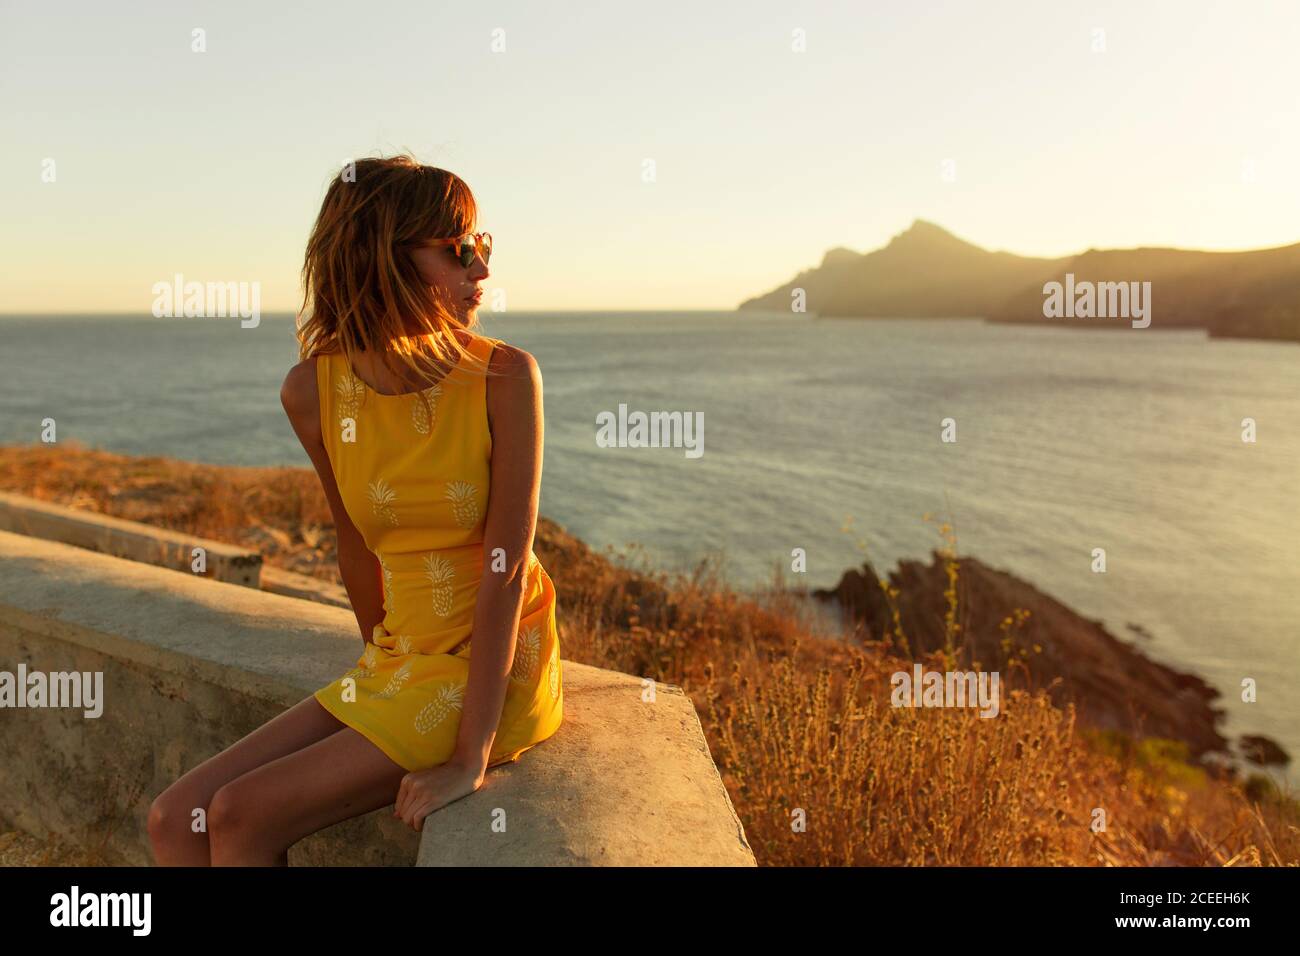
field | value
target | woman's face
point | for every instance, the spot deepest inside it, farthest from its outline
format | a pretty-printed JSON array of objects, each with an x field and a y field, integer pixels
[{"x": 458, "y": 284}]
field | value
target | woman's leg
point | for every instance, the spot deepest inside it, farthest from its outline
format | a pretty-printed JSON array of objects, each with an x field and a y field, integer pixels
[
  {"x": 171, "y": 818},
  {"x": 257, "y": 817}
]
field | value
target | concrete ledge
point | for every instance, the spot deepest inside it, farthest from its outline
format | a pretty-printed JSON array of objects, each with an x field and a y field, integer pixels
[
  {"x": 622, "y": 783},
  {"x": 291, "y": 584},
  {"x": 191, "y": 665},
  {"x": 127, "y": 539}
]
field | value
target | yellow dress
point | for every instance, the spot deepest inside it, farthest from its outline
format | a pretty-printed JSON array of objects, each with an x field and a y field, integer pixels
[{"x": 416, "y": 486}]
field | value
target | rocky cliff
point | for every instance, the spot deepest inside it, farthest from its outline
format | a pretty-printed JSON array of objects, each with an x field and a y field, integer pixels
[{"x": 1112, "y": 683}]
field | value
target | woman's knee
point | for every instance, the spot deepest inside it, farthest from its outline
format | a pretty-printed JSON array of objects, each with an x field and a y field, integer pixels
[
  {"x": 171, "y": 818},
  {"x": 240, "y": 830},
  {"x": 232, "y": 810}
]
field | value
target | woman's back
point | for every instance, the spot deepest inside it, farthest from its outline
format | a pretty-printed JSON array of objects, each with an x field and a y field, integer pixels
[{"x": 413, "y": 471}]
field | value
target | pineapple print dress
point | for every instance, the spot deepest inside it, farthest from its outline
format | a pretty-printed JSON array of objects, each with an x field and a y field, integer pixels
[{"x": 414, "y": 477}]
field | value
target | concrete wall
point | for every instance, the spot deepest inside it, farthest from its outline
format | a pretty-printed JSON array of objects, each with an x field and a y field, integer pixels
[
  {"x": 158, "y": 546},
  {"x": 624, "y": 782},
  {"x": 191, "y": 665},
  {"x": 278, "y": 581},
  {"x": 127, "y": 539}
]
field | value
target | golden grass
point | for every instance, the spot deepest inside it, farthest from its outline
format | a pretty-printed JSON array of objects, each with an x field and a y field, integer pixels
[{"x": 821, "y": 768}]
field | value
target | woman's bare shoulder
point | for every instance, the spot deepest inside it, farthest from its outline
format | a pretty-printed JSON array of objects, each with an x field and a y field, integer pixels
[
  {"x": 515, "y": 387},
  {"x": 514, "y": 364},
  {"x": 298, "y": 393}
]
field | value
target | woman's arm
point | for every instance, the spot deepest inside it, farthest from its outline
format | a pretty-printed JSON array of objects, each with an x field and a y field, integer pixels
[
  {"x": 358, "y": 566},
  {"x": 515, "y": 417}
]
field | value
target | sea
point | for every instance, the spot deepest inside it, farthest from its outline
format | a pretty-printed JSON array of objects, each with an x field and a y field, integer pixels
[{"x": 835, "y": 439}]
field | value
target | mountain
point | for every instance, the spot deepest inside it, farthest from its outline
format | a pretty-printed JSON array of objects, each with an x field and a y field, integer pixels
[
  {"x": 923, "y": 272},
  {"x": 928, "y": 272},
  {"x": 1252, "y": 294}
]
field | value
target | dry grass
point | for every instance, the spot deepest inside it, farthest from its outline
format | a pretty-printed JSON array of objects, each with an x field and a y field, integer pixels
[
  {"x": 821, "y": 768},
  {"x": 280, "y": 512}
]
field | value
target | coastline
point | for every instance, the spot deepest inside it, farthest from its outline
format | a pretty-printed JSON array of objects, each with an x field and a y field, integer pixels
[{"x": 739, "y": 655}]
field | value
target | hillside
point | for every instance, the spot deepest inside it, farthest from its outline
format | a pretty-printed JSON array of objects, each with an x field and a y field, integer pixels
[
  {"x": 1230, "y": 294},
  {"x": 926, "y": 272},
  {"x": 923, "y": 272},
  {"x": 794, "y": 716},
  {"x": 1112, "y": 684}
]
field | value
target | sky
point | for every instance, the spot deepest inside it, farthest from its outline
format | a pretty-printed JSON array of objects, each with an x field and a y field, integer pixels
[{"x": 774, "y": 132}]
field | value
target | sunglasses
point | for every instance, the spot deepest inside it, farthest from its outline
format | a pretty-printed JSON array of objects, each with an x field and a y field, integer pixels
[{"x": 465, "y": 247}]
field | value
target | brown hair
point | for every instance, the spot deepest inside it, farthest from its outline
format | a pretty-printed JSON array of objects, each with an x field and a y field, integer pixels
[{"x": 361, "y": 289}]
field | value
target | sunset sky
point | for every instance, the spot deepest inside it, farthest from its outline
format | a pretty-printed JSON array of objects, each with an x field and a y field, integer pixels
[{"x": 1183, "y": 131}]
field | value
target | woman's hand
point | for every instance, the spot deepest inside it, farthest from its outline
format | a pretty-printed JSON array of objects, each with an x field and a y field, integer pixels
[{"x": 424, "y": 791}]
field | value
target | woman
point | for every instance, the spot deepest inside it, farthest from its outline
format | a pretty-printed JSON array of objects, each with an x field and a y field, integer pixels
[{"x": 428, "y": 442}]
